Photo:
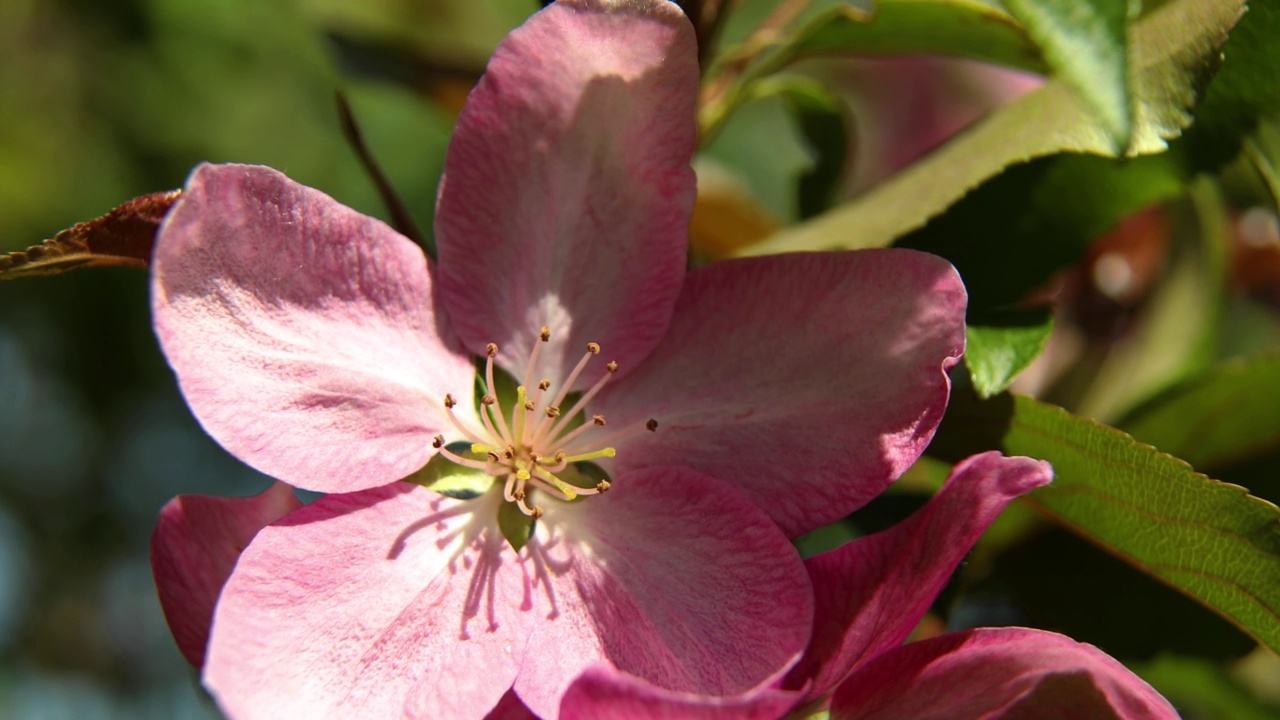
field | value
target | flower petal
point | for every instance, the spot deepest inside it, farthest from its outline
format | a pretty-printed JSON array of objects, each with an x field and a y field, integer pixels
[
  {"x": 673, "y": 577},
  {"x": 810, "y": 381},
  {"x": 196, "y": 543},
  {"x": 303, "y": 333},
  {"x": 567, "y": 188},
  {"x": 389, "y": 602},
  {"x": 871, "y": 592},
  {"x": 989, "y": 673},
  {"x": 602, "y": 693}
]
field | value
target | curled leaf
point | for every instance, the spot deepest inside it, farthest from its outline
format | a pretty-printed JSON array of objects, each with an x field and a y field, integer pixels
[{"x": 123, "y": 236}]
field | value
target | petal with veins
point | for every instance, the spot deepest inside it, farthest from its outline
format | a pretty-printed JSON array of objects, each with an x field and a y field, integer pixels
[
  {"x": 567, "y": 189},
  {"x": 302, "y": 332}
]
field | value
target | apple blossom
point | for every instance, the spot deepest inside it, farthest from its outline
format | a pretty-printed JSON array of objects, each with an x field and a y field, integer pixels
[{"x": 730, "y": 407}]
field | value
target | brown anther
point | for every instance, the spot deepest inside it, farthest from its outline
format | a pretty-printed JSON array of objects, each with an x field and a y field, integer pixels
[
  {"x": 528, "y": 405},
  {"x": 612, "y": 366},
  {"x": 518, "y": 495},
  {"x": 491, "y": 350},
  {"x": 652, "y": 425},
  {"x": 509, "y": 452},
  {"x": 593, "y": 348},
  {"x": 488, "y": 400},
  {"x": 598, "y": 420},
  {"x": 544, "y": 384},
  {"x": 553, "y": 412},
  {"x": 449, "y": 402},
  {"x": 545, "y": 334},
  {"x": 603, "y": 486},
  {"x": 559, "y": 456},
  {"x": 437, "y": 442},
  {"x": 537, "y": 512},
  {"x": 493, "y": 457},
  {"x": 535, "y": 458}
]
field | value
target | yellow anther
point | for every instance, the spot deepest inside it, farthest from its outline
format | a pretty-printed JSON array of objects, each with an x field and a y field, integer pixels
[
  {"x": 593, "y": 348},
  {"x": 545, "y": 334},
  {"x": 612, "y": 366},
  {"x": 491, "y": 350},
  {"x": 544, "y": 384},
  {"x": 553, "y": 412},
  {"x": 603, "y": 486}
]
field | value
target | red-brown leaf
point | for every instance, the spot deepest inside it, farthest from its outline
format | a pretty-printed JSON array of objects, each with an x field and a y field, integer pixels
[{"x": 123, "y": 236}]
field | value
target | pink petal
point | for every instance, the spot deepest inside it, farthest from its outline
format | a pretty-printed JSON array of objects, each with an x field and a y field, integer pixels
[
  {"x": 389, "y": 602},
  {"x": 303, "y": 333},
  {"x": 989, "y": 673},
  {"x": 675, "y": 578},
  {"x": 810, "y": 381},
  {"x": 602, "y": 693},
  {"x": 196, "y": 543},
  {"x": 567, "y": 189},
  {"x": 871, "y": 592}
]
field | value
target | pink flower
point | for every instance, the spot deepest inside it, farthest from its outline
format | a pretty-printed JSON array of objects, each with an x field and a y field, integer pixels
[
  {"x": 321, "y": 347},
  {"x": 871, "y": 593}
]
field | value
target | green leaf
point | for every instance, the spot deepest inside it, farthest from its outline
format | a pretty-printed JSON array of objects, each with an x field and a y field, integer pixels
[
  {"x": 820, "y": 118},
  {"x": 1243, "y": 92},
  {"x": 1174, "y": 54},
  {"x": 1227, "y": 414},
  {"x": 1000, "y": 345},
  {"x": 1084, "y": 42},
  {"x": 963, "y": 28},
  {"x": 1212, "y": 540},
  {"x": 451, "y": 479},
  {"x": 1202, "y": 689},
  {"x": 123, "y": 236}
]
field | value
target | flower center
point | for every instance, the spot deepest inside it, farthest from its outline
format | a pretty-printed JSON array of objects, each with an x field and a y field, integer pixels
[{"x": 537, "y": 441}]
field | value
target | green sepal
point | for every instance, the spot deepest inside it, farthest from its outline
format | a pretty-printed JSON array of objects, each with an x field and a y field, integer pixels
[
  {"x": 516, "y": 527},
  {"x": 451, "y": 479},
  {"x": 1001, "y": 344}
]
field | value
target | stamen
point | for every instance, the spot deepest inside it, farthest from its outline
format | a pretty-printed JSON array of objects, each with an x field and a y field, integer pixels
[
  {"x": 543, "y": 336},
  {"x": 596, "y": 421},
  {"x": 600, "y": 488},
  {"x": 486, "y": 407},
  {"x": 437, "y": 442},
  {"x": 650, "y": 425},
  {"x": 582, "y": 401},
  {"x": 465, "y": 462},
  {"x": 449, "y": 404},
  {"x": 492, "y": 390},
  {"x": 592, "y": 349}
]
